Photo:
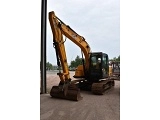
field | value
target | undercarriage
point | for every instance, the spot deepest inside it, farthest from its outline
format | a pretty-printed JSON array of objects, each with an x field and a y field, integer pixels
[{"x": 71, "y": 91}]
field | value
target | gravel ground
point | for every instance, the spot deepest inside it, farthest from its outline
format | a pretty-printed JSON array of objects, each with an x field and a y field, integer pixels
[
  {"x": 91, "y": 107},
  {"x": 53, "y": 79}
]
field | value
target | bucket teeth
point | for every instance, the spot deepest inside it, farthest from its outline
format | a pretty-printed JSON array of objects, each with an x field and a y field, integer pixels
[{"x": 70, "y": 93}]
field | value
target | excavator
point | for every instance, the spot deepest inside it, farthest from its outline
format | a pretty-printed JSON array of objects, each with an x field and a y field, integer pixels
[
  {"x": 92, "y": 75},
  {"x": 114, "y": 70}
]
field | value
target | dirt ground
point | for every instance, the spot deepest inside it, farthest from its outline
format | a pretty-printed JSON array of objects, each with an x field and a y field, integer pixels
[
  {"x": 91, "y": 107},
  {"x": 53, "y": 79}
]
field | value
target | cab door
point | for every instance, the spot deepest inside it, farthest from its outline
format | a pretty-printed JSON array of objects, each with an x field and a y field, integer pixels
[{"x": 105, "y": 66}]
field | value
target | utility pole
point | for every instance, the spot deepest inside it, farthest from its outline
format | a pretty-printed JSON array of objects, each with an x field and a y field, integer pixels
[{"x": 43, "y": 45}]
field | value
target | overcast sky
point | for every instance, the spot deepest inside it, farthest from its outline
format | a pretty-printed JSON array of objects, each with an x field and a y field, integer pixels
[{"x": 97, "y": 21}]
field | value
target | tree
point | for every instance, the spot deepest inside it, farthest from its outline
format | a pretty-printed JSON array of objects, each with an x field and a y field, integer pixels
[
  {"x": 118, "y": 59},
  {"x": 76, "y": 62},
  {"x": 115, "y": 58},
  {"x": 49, "y": 66}
]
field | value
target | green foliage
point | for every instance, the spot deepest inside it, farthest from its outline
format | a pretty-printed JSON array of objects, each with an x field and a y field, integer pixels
[
  {"x": 76, "y": 62},
  {"x": 115, "y": 58},
  {"x": 118, "y": 59},
  {"x": 49, "y": 66}
]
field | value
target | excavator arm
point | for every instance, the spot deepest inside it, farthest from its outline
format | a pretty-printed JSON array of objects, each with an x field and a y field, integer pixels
[
  {"x": 59, "y": 29},
  {"x": 65, "y": 89},
  {"x": 58, "y": 43}
]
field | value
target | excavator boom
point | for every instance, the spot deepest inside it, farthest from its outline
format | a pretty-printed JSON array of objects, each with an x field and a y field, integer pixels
[
  {"x": 62, "y": 28},
  {"x": 66, "y": 89}
]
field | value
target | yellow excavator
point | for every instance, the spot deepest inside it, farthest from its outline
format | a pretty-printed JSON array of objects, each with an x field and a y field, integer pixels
[{"x": 92, "y": 75}]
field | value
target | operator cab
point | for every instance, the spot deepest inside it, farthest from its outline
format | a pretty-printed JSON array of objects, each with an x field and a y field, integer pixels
[{"x": 99, "y": 66}]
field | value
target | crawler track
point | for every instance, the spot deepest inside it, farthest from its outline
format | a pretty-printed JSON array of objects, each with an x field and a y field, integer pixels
[
  {"x": 100, "y": 87},
  {"x": 97, "y": 87}
]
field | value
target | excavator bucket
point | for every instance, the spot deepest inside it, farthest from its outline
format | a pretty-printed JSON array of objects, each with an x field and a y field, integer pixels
[{"x": 71, "y": 92}]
